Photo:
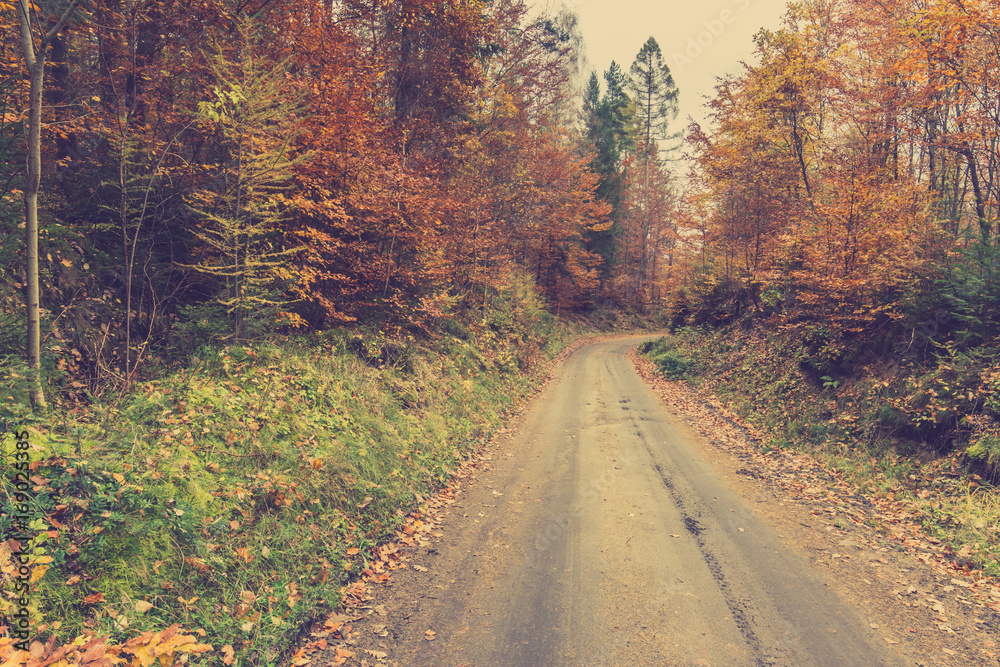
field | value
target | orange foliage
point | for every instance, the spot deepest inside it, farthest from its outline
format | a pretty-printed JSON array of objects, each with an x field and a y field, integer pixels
[
  {"x": 163, "y": 647},
  {"x": 816, "y": 174}
]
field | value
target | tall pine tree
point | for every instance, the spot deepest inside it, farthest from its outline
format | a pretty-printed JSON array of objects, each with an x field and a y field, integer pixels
[
  {"x": 654, "y": 92},
  {"x": 655, "y": 95},
  {"x": 610, "y": 123}
]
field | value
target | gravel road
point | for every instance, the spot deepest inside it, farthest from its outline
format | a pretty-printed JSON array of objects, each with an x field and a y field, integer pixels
[{"x": 597, "y": 534}]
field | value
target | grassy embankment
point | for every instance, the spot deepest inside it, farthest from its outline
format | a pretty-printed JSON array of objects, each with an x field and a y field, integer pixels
[
  {"x": 926, "y": 434},
  {"x": 237, "y": 493}
]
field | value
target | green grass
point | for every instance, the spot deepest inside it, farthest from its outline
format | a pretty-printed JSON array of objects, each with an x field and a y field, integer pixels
[{"x": 238, "y": 493}]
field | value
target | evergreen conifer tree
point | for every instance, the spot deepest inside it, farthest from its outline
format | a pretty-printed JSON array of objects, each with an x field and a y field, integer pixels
[
  {"x": 655, "y": 95},
  {"x": 654, "y": 92}
]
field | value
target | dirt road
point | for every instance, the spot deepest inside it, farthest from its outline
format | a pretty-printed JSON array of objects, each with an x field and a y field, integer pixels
[{"x": 599, "y": 535}]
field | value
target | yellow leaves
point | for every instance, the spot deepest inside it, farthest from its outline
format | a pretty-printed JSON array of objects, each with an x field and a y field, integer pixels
[
  {"x": 38, "y": 572},
  {"x": 162, "y": 647},
  {"x": 15, "y": 658}
]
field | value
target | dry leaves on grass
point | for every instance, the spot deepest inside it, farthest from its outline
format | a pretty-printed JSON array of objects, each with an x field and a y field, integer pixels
[
  {"x": 163, "y": 647},
  {"x": 803, "y": 478}
]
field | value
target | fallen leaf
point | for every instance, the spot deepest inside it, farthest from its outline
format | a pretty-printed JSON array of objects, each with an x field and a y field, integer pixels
[
  {"x": 142, "y": 606},
  {"x": 228, "y": 654}
]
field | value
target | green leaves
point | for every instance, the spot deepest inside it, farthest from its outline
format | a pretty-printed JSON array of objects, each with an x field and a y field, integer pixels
[{"x": 241, "y": 222}]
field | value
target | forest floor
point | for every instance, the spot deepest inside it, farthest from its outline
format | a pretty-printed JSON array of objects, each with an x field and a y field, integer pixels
[{"x": 613, "y": 525}]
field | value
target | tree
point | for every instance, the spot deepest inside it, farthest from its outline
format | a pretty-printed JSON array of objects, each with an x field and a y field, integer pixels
[
  {"x": 256, "y": 118},
  {"x": 646, "y": 232},
  {"x": 34, "y": 59},
  {"x": 610, "y": 124},
  {"x": 655, "y": 94}
]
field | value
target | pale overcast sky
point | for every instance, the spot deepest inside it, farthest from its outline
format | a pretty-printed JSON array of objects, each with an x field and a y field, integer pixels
[{"x": 700, "y": 39}]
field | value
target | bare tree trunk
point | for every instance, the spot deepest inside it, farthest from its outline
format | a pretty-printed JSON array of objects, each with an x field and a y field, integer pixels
[
  {"x": 31, "y": 186},
  {"x": 35, "y": 64},
  {"x": 985, "y": 229}
]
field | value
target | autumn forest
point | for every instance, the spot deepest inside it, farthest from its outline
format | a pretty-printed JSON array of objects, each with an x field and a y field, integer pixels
[
  {"x": 274, "y": 164},
  {"x": 437, "y": 186}
]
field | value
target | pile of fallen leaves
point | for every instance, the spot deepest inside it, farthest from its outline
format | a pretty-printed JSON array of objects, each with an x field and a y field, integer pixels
[{"x": 164, "y": 647}]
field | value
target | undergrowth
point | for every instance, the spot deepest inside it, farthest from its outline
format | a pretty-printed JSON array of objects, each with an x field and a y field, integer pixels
[
  {"x": 926, "y": 434},
  {"x": 236, "y": 494}
]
